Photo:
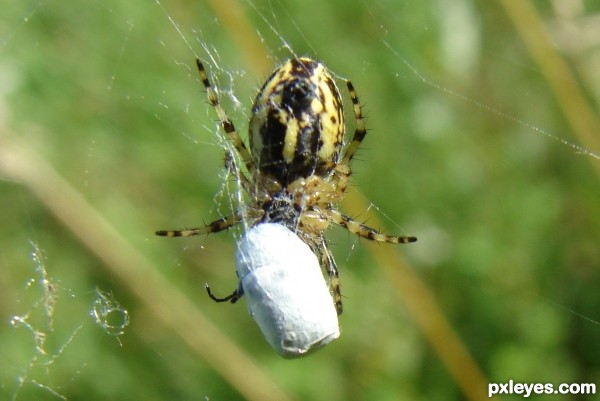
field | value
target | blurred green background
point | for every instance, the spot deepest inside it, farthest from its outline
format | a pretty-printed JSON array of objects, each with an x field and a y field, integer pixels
[{"x": 106, "y": 136}]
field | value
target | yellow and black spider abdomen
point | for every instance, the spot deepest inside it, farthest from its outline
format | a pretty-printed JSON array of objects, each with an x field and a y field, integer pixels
[{"x": 297, "y": 125}]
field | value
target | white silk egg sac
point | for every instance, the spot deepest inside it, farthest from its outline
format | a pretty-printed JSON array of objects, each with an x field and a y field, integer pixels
[{"x": 285, "y": 289}]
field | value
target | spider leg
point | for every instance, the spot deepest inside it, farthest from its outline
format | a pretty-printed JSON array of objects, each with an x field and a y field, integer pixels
[
  {"x": 237, "y": 173},
  {"x": 367, "y": 232},
  {"x": 233, "y": 297},
  {"x": 360, "y": 132},
  {"x": 227, "y": 124},
  {"x": 341, "y": 176},
  {"x": 218, "y": 225},
  {"x": 342, "y": 171},
  {"x": 328, "y": 263}
]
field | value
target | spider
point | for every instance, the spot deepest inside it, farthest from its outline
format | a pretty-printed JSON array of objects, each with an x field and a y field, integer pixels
[{"x": 295, "y": 168}]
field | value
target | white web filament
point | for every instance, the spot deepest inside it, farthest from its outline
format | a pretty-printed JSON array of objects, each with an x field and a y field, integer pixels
[{"x": 109, "y": 314}]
